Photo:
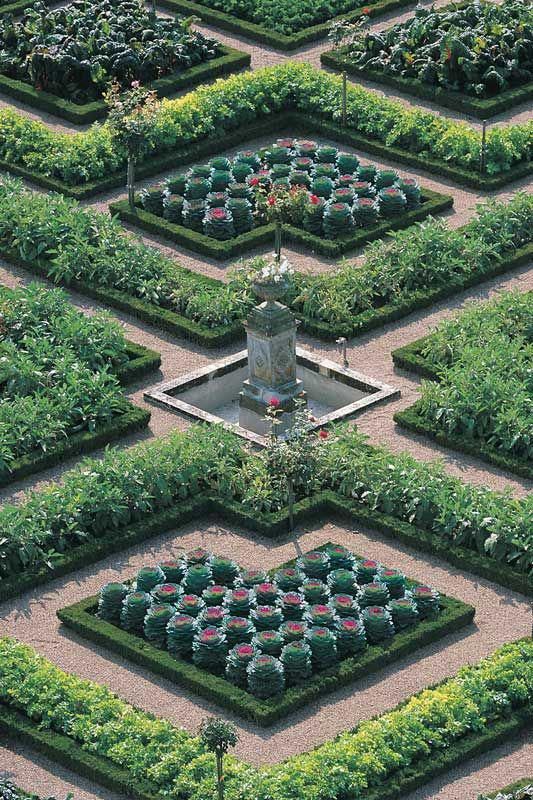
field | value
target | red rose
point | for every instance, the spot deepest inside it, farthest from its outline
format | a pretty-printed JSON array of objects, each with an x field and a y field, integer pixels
[
  {"x": 274, "y": 402},
  {"x": 314, "y": 199},
  {"x": 254, "y": 181},
  {"x": 271, "y": 200},
  {"x": 323, "y": 434}
]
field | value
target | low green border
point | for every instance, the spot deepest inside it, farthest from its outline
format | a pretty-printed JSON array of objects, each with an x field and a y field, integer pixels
[
  {"x": 272, "y": 526},
  {"x": 66, "y": 751},
  {"x": 413, "y": 420},
  {"x": 280, "y": 41},
  {"x": 141, "y": 361},
  {"x": 410, "y": 358},
  {"x": 132, "y": 420},
  {"x": 162, "y": 318},
  {"x": 180, "y": 326},
  {"x": 81, "y": 618},
  {"x": 297, "y": 123},
  {"x": 432, "y": 203},
  {"x": 17, "y": 8},
  {"x": 512, "y": 787},
  {"x": 229, "y": 61},
  {"x": 482, "y": 108}
]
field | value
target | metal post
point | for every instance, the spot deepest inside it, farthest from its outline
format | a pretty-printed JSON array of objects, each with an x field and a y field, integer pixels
[
  {"x": 344, "y": 101},
  {"x": 277, "y": 241},
  {"x": 483, "y": 154},
  {"x": 291, "y": 504},
  {"x": 131, "y": 184}
]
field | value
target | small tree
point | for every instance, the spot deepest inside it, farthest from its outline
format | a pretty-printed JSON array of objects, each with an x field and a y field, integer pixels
[
  {"x": 294, "y": 459},
  {"x": 218, "y": 736},
  {"x": 132, "y": 115}
]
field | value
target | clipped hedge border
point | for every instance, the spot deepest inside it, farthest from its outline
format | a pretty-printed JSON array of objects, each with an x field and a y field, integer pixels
[
  {"x": 162, "y": 318},
  {"x": 273, "y": 526},
  {"x": 513, "y": 787},
  {"x": 81, "y": 618},
  {"x": 410, "y": 358},
  {"x": 413, "y": 420},
  {"x": 432, "y": 203},
  {"x": 423, "y": 298},
  {"x": 294, "y": 122},
  {"x": 82, "y": 114},
  {"x": 17, "y": 7},
  {"x": 141, "y": 361},
  {"x": 132, "y": 420},
  {"x": 65, "y": 751},
  {"x": 280, "y": 41},
  {"x": 482, "y": 108},
  {"x": 180, "y": 326}
]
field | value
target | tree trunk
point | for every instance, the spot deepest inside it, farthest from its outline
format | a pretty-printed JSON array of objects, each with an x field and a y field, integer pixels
[
  {"x": 131, "y": 184},
  {"x": 220, "y": 777}
]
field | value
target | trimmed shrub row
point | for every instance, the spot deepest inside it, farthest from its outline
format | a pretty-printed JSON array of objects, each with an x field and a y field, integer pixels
[
  {"x": 478, "y": 399},
  {"x": 295, "y": 95},
  {"x": 412, "y": 270},
  {"x": 87, "y": 728},
  {"x": 160, "y": 485},
  {"x": 228, "y": 61},
  {"x": 219, "y": 15},
  {"x": 415, "y": 56},
  {"x": 60, "y": 380}
]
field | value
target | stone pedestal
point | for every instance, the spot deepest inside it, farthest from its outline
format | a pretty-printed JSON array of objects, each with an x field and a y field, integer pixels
[{"x": 271, "y": 335}]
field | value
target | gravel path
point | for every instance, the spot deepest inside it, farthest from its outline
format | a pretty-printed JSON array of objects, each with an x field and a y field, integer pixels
[{"x": 501, "y": 615}]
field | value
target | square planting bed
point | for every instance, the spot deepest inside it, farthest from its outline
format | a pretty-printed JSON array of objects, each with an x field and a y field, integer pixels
[
  {"x": 244, "y": 22},
  {"x": 219, "y": 208},
  {"x": 266, "y": 643},
  {"x": 211, "y": 393},
  {"x": 71, "y": 58}
]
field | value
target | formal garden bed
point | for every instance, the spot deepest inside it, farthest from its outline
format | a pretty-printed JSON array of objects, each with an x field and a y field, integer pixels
[
  {"x": 419, "y": 266},
  {"x": 479, "y": 396},
  {"x": 471, "y": 57},
  {"x": 60, "y": 381},
  {"x": 519, "y": 790},
  {"x": 292, "y": 97},
  {"x": 87, "y": 728},
  {"x": 283, "y": 24},
  {"x": 266, "y": 643},
  {"x": 62, "y": 61},
  {"x": 158, "y": 486},
  {"x": 328, "y": 201}
]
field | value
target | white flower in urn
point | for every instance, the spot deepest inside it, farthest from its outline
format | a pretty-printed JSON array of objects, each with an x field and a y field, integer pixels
[{"x": 273, "y": 272}]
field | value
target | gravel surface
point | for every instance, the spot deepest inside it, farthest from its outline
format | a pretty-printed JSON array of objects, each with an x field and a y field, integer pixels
[{"x": 501, "y": 615}]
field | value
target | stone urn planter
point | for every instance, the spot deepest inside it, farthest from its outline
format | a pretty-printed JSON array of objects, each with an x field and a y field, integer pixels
[{"x": 270, "y": 291}]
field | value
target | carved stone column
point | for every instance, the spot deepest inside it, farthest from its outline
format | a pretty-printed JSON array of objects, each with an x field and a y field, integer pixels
[{"x": 271, "y": 335}]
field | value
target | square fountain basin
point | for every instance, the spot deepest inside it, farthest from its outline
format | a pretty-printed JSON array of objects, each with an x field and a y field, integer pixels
[{"x": 211, "y": 393}]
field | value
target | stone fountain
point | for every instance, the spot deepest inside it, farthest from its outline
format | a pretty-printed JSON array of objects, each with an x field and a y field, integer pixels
[
  {"x": 236, "y": 391},
  {"x": 271, "y": 339}
]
